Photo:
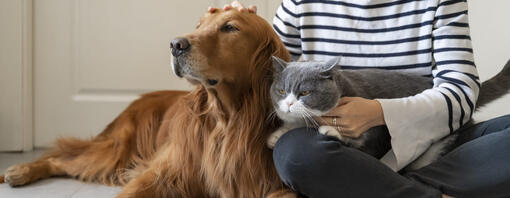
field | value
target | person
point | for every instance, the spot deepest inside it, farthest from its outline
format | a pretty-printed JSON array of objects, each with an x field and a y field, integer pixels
[{"x": 429, "y": 38}]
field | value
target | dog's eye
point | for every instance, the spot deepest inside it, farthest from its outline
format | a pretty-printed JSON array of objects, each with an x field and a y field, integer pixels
[
  {"x": 304, "y": 93},
  {"x": 283, "y": 92},
  {"x": 212, "y": 82},
  {"x": 228, "y": 28}
]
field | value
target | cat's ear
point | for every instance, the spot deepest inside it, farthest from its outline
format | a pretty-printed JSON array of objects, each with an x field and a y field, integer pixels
[
  {"x": 331, "y": 64},
  {"x": 328, "y": 68},
  {"x": 278, "y": 64}
]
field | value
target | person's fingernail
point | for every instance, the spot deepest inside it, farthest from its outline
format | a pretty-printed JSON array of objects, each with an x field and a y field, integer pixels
[{"x": 227, "y": 7}]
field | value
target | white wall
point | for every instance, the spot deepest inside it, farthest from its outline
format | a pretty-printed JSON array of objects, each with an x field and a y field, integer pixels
[{"x": 490, "y": 32}]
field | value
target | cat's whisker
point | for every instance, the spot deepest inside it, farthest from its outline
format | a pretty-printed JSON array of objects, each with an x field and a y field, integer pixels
[
  {"x": 316, "y": 124},
  {"x": 309, "y": 116},
  {"x": 314, "y": 114},
  {"x": 309, "y": 121},
  {"x": 303, "y": 116},
  {"x": 306, "y": 121},
  {"x": 312, "y": 120},
  {"x": 321, "y": 119},
  {"x": 272, "y": 116}
]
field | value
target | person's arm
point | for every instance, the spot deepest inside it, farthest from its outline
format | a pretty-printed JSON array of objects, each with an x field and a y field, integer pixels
[
  {"x": 415, "y": 122},
  {"x": 286, "y": 23}
]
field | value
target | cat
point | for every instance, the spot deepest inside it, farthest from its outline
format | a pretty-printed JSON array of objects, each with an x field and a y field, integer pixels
[{"x": 302, "y": 91}]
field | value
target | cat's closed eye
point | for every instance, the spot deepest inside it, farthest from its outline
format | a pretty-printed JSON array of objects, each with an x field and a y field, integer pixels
[{"x": 304, "y": 93}]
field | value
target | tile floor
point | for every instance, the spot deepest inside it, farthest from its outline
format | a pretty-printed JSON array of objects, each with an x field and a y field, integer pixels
[
  {"x": 8, "y": 159},
  {"x": 50, "y": 188}
]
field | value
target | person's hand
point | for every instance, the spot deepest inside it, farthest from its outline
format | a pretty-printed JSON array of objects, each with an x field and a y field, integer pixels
[
  {"x": 353, "y": 116},
  {"x": 236, "y": 5}
]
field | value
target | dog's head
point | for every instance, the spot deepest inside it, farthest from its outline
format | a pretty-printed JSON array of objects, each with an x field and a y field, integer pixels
[
  {"x": 229, "y": 58},
  {"x": 228, "y": 51}
]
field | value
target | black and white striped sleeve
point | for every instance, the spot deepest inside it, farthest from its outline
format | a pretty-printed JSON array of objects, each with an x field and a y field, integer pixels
[
  {"x": 286, "y": 24},
  {"x": 416, "y": 122},
  {"x": 455, "y": 74}
]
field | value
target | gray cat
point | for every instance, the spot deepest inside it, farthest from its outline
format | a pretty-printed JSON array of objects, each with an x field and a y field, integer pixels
[{"x": 303, "y": 90}]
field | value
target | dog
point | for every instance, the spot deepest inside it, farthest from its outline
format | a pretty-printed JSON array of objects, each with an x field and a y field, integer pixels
[{"x": 209, "y": 142}]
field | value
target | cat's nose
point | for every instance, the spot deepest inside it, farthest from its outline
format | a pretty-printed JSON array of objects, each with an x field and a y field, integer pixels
[{"x": 290, "y": 103}]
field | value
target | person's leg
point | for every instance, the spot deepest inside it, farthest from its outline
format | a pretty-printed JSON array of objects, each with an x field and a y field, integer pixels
[
  {"x": 483, "y": 128},
  {"x": 319, "y": 166},
  {"x": 478, "y": 168}
]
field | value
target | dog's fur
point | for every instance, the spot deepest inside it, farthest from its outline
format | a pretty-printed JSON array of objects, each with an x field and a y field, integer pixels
[{"x": 209, "y": 142}]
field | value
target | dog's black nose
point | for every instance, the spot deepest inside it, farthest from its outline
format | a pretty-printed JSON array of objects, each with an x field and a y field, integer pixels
[{"x": 179, "y": 46}]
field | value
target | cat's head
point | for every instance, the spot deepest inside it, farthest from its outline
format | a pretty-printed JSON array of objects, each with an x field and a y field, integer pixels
[{"x": 304, "y": 89}]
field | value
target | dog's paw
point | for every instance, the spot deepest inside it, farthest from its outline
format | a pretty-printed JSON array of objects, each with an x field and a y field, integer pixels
[
  {"x": 330, "y": 131},
  {"x": 17, "y": 175}
]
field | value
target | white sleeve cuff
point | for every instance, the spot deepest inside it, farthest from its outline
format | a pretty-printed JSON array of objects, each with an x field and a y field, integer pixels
[{"x": 414, "y": 123}]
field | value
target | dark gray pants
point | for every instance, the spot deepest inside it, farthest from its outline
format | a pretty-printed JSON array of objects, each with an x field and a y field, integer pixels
[{"x": 318, "y": 166}]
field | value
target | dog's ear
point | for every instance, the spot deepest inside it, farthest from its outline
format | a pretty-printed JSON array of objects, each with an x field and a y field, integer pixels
[{"x": 278, "y": 64}]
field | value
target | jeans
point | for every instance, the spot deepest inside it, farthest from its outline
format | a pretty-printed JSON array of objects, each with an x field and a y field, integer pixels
[{"x": 318, "y": 166}]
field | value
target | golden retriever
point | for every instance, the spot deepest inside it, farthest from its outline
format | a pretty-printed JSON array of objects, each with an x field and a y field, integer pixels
[{"x": 209, "y": 142}]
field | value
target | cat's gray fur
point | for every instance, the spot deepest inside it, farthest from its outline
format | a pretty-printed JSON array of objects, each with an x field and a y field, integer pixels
[{"x": 327, "y": 82}]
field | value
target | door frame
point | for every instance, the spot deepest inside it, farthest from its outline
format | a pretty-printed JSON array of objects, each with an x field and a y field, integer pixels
[
  {"x": 19, "y": 133},
  {"x": 22, "y": 111},
  {"x": 27, "y": 77}
]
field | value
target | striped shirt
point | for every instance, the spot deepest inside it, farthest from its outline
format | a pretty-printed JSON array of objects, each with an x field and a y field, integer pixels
[{"x": 423, "y": 37}]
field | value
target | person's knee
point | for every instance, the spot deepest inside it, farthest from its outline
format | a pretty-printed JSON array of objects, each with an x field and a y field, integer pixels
[
  {"x": 505, "y": 120},
  {"x": 300, "y": 153},
  {"x": 501, "y": 123}
]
